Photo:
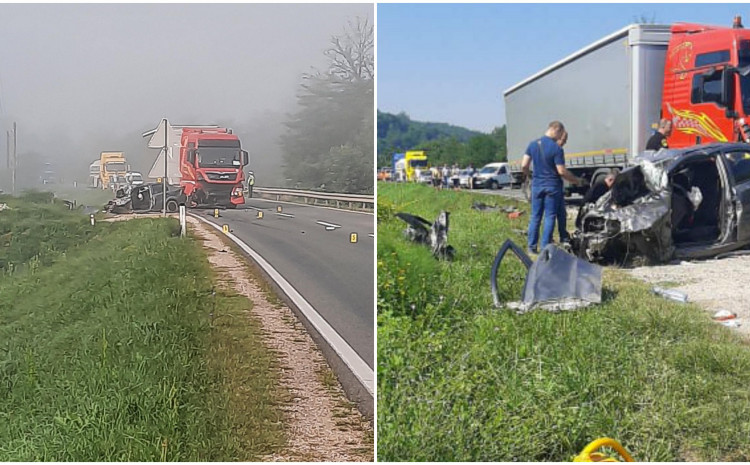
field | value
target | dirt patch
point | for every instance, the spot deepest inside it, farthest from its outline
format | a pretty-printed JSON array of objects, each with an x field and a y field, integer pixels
[
  {"x": 130, "y": 216},
  {"x": 322, "y": 426},
  {"x": 713, "y": 284}
]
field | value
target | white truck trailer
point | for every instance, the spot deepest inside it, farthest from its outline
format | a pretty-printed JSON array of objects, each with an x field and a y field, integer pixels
[{"x": 608, "y": 95}]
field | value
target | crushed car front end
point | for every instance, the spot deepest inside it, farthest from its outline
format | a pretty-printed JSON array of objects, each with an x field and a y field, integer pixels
[{"x": 632, "y": 219}]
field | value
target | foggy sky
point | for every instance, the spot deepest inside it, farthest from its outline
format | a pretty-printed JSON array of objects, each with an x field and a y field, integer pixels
[{"x": 81, "y": 79}]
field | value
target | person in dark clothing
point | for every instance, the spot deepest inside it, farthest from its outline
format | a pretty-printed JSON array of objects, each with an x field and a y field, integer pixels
[
  {"x": 595, "y": 192},
  {"x": 562, "y": 213},
  {"x": 599, "y": 188},
  {"x": 546, "y": 185},
  {"x": 659, "y": 140}
]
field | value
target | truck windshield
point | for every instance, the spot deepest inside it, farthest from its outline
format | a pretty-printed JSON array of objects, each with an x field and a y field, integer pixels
[
  {"x": 218, "y": 157},
  {"x": 743, "y": 62},
  {"x": 116, "y": 166},
  {"x": 418, "y": 163}
]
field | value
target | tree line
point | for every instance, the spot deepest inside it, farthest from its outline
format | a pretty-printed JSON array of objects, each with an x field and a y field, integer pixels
[
  {"x": 444, "y": 143},
  {"x": 328, "y": 142}
]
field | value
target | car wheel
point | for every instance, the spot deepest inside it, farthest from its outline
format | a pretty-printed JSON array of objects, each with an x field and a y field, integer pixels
[
  {"x": 493, "y": 185},
  {"x": 172, "y": 206}
]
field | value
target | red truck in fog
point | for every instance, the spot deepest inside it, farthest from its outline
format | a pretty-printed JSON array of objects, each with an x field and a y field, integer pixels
[
  {"x": 206, "y": 162},
  {"x": 211, "y": 167}
]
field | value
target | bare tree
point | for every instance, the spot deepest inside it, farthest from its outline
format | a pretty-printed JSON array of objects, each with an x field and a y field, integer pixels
[{"x": 352, "y": 54}]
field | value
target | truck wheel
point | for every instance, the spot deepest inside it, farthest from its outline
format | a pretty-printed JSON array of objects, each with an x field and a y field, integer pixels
[{"x": 172, "y": 206}]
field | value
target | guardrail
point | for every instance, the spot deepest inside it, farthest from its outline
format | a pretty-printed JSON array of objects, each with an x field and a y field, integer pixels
[{"x": 366, "y": 202}]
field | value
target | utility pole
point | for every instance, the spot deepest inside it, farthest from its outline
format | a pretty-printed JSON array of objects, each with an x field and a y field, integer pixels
[
  {"x": 164, "y": 179},
  {"x": 15, "y": 160}
]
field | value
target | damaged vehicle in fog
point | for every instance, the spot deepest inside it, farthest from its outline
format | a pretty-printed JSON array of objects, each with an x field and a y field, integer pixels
[
  {"x": 675, "y": 203},
  {"x": 150, "y": 198}
]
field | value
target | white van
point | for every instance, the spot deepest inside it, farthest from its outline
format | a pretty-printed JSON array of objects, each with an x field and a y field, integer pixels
[{"x": 493, "y": 176}]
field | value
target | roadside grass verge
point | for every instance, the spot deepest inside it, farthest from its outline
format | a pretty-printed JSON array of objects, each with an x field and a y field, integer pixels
[
  {"x": 459, "y": 380},
  {"x": 109, "y": 353},
  {"x": 34, "y": 230}
]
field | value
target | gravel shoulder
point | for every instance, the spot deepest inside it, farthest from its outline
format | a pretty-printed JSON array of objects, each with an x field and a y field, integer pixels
[
  {"x": 321, "y": 424},
  {"x": 712, "y": 284}
]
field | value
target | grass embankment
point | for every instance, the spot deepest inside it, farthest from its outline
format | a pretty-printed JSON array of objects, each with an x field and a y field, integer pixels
[
  {"x": 459, "y": 380},
  {"x": 108, "y": 351}
]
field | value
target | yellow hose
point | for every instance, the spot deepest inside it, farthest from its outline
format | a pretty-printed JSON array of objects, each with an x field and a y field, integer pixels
[{"x": 589, "y": 453}]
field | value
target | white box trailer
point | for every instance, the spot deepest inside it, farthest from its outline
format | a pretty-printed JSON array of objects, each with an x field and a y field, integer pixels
[
  {"x": 174, "y": 139},
  {"x": 608, "y": 96}
]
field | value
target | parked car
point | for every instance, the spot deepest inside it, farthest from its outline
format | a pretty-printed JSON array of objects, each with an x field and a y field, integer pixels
[
  {"x": 463, "y": 178},
  {"x": 425, "y": 177},
  {"x": 384, "y": 174},
  {"x": 134, "y": 178},
  {"x": 493, "y": 176},
  {"x": 675, "y": 203}
]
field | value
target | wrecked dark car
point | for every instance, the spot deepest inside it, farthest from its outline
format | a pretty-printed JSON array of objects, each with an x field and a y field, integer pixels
[
  {"x": 149, "y": 198},
  {"x": 675, "y": 203}
]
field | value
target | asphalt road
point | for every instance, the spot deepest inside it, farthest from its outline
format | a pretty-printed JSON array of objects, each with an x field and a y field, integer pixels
[
  {"x": 517, "y": 194},
  {"x": 333, "y": 274}
]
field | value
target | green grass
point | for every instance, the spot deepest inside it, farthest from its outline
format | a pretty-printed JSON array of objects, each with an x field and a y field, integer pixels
[
  {"x": 459, "y": 380},
  {"x": 108, "y": 351}
]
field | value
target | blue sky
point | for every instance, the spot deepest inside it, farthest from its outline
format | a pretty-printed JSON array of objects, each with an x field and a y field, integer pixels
[{"x": 451, "y": 62}]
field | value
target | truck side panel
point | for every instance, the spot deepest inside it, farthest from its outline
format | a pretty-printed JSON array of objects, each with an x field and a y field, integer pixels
[
  {"x": 607, "y": 95},
  {"x": 649, "y": 51},
  {"x": 590, "y": 95}
]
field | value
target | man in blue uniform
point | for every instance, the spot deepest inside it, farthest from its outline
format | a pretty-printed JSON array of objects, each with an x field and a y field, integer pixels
[{"x": 547, "y": 184}]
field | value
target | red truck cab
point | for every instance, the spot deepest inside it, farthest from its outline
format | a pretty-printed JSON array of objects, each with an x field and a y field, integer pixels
[
  {"x": 706, "y": 90},
  {"x": 211, "y": 166}
]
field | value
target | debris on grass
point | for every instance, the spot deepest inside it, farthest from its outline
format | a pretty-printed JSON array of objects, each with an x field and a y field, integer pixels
[
  {"x": 670, "y": 294},
  {"x": 436, "y": 237},
  {"x": 556, "y": 281}
]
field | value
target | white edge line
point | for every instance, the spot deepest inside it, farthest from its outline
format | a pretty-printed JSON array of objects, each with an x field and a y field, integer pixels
[
  {"x": 331, "y": 225},
  {"x": 364, "y": 373},
  {"x": 285, "y": 214}
]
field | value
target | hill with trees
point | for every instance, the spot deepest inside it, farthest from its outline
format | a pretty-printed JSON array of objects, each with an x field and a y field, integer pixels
[{"x": 444, "y": 143}]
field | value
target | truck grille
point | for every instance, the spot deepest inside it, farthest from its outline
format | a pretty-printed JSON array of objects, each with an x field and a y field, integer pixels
[{"x": 216, "y": 176}]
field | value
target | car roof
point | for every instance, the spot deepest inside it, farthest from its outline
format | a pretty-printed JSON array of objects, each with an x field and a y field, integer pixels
[
  {"x": 496, "y": 163},
  {"x": 667, "y": 154}
]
